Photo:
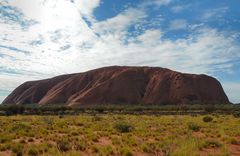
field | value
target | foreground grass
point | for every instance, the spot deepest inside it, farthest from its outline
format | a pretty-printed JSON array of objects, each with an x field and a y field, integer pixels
[{"x": 108, "y": 134}]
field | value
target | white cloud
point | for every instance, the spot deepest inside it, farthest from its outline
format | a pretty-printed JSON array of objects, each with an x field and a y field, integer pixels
[
  {"x": 86, "y": 7},
  {"x": 31, "y": 9},
  {"x": 37, "y": 9},
  {"x": 119, "y": 23},
  {"x": 232, "y": 89},
  {"x": 150, "y": 37},
  {"x": 178, "y": 24}
]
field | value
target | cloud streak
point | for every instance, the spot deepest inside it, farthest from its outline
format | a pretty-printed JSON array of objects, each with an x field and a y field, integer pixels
[
  {"x": 178, "y": 24},
  {"x": 12, "y": 15}
]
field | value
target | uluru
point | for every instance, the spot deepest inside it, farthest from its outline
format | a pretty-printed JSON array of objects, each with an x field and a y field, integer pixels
[{"x": 121, "y": 85}]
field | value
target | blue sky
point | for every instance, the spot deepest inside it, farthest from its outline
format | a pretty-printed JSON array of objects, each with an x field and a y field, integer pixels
[{"x": 44, "y": 38}]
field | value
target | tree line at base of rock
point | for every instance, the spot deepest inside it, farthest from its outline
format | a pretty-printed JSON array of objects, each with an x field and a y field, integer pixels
[{"x": 121, "y": 109}]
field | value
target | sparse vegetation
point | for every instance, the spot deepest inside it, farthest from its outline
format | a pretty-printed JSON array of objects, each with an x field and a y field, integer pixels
[
  {"x": 119, "y": 130},
  {"x": 119, "y": 134},
  {"x": 62, "y": 110}
]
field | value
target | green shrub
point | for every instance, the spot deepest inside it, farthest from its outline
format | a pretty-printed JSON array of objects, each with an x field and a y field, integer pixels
[
  {"x": 17, "y": 149},
  {"x": 100, "y": 110},
  {"x": 74, "y": 133},
  {"x": 194, "y": 127},
  {"x": 211, "y": 144},
  {"x": 95, "y": 149},
  {"x": 108, "y": 150},
  {"x": 63, "y": 145},
  {"x": 234, "y": 141},
  {"x": 14, "y": 109},
  {"x": 30, "y": 140},
  {"x": 4, "y": 138},
  {"x": 210, "y": 108},
  {"x": 60, "y": 116},
  {"x": 126, "y": 152},
  {"x": 33, "y": 152},
  {"x": 207, "y": 119},
  {"x": 80, "y": 146},
  {"x": 48, "y": 120},
  {"x": 95, "y": 138},
  {"x": 20, "y": 126},
  {"x": 236, "y": 114},
  {"x": 123, "y": 127},
  {"x": 148, "y": 148},
  {"x": 79, "y": 124},
  {"x": 22, "y": 141},
  {"x": 3, "y": 147},
  {"x": 96, "y": 118}
]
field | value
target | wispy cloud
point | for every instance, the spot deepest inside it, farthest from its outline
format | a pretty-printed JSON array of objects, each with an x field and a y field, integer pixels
[
  {"x": 178, "y": 24},
  {"x": 213, "y": 14},
  {"x": 12, "y": 15},
  {"x": 155, "y": 3},
  {"x": 14, "y": 49},
  {"x": 119, "y": 23},
  {"x": 38, "y": 41},
  {"x": 179, "y": 8}
]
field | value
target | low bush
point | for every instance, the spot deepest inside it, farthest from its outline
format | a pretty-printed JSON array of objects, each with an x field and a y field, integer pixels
[
  {"x": 123, "y": 127},
  {"x": 30, "y": 140},
  {"x": 210, "y": 108},
  {"x": 14, "y": 109},
  {"x": 100, "y": 110},
  {"x": 4, "y": 139},
  {"x": 95, "y": 149},
  {"x": 236, "y": 114},
  {"x": 126, "y": 152},
  {"x": 108, "y": 150},
  {"x": 80, "y": 146},
  {"x": 194, "y": 127},
  {"x": 212, "y": 144},
  {"x": 20, "y": 127},
  {"x": 96, "y": 118},
  {"x": 233, "y": 141},
  {"x": 17, "y": 149},
  {"x": 33, "y": 152},
  {"x": 63, "y": 145},
  {"x": 48, "y": 120},
  {"x": 207, "y": 119},
  {"x": 148, "y": 148}
]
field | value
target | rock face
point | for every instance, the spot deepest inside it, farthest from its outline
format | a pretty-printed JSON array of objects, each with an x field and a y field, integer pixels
[{"x": 121, "y": 85}]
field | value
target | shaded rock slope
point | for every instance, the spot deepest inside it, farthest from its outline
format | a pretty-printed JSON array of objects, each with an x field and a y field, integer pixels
[{"x": 121, "y": 85}]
